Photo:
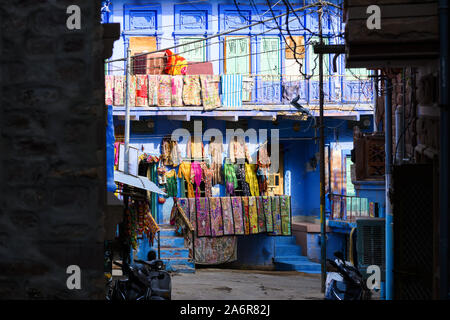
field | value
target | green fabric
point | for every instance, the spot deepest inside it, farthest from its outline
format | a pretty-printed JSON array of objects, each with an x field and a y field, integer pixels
[
  {"x": 172, "y": 186},
  {"x": 230, "y": 174}
]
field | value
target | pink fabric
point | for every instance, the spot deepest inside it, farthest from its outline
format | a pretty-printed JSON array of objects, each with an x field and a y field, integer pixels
[
  {"x": 109, "y": 90},
  {"x": 141, "y": 90},
  {"x": 177, "y": 91},
  {"x": 196, "y": 174}
]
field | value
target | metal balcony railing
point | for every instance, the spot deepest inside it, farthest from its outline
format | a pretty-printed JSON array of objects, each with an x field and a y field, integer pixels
[{"x": 348, "y": 208}]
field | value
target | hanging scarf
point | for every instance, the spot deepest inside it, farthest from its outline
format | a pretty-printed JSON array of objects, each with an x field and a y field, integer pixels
[
  {"x": 196, "y": 176},
  {"x": 285, "y": 211},
  {"x": 227, "y": 216},
  {"x": 216, "y": 217},
  {"x": 238, "y": 220},
  {"x": 203, "y": 217},
  {"x": 253, "y": 215}
]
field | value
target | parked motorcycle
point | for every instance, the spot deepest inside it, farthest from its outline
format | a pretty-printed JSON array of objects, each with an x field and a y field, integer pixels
[
  {"x": 146, "y": 280},
  {"x": 344, "y": 281}
]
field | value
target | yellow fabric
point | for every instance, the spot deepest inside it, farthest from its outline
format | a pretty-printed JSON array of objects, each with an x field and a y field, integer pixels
[
  {"x": 171, "y": 173},
  {"x": 185, "y": 172},
  {"x": 251, "y": 179}
]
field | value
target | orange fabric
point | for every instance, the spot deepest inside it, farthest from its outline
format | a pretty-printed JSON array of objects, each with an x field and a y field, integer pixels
[{"x": 176, "y": 65}]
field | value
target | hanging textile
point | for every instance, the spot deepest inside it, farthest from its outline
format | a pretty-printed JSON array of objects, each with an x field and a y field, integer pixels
[
  {"x": 219, "y": 250},
  {"x": 261, "y": 215},
  {"x": 290, "y": 89},
  {"x": 119, "y": 90},
  {"x": 207, "y": 178},
  {"x": 176, "y": 64},
  {"x": 195, "y": 148},
  {"x": 196, "y": 176},
  {"x": 141, "y": 90},
  {"x": 227, "y": 216},
  {"x": 246, "y": 215},
  {"x": 210, "y": 91},
  {"x": 192, "y": 91},
  {"x": 262, "y": 180},
  {"x": 231, "y": 90},
  {"x": 238, "y": 151},
  {"x": 153, "y": 83},
  {"x": 285, "y": 211},
  {"x": 184, "y": 171},
  {"x": 215, "y": 150},
  {"x": 192, "y": 212},
  {"x": 109, "y": 90},
  {"x": 238, "y": 221},
  {"x": 175, "y": 154},
  {"x": 215, "y": 209},
  {"x": 184, "y": 204},
  {"x": 171, "y": 178},
  {"x": 203, "y": 217},
  {"x": 240, "y": 175},
  {"x": 132, "y": 90},
  {"x": 267, "y": 208},
  {"x": 230, "y": 178},
  {"x": 152, "y": 228},
  {"x": 177, "y": 91},
  {"x": 263, "y": 158},
  {"x": 253, "y": 215},
  {"x": 251, "y": 179},
  {"x": 275, "y": 201},
  {"x": 164, "y": 91}
]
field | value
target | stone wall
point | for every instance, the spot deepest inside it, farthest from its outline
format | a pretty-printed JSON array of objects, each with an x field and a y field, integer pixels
[{"x": 52, "y": 157}]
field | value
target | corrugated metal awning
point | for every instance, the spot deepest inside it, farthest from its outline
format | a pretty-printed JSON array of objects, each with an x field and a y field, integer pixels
[{"x": 137, "y": 181}]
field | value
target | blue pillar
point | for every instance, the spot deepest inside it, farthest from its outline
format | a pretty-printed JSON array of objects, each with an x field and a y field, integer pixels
[{"x": 388, "y": 213}]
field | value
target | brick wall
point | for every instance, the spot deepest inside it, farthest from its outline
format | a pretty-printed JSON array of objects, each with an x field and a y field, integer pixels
[{"x": 52, "y": 157}]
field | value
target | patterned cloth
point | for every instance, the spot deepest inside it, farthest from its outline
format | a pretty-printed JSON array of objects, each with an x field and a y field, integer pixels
[
  {"x": 231, "y": 90},
  {"x": 177, "y": 91},
  {"x": 192, "y": 212},
  {"x": 210, "y": 91},
  {"x": 119, "y": 90},
  {"x": 240, "y": 175},
  {"x": 132, "y": 90},
  {"x": 246, "y": 215},
  {"x": 184, "y": 170},
  {"x": 203, "y": 217},
  {"x": 251, "y": 179},
  {"x": 253, "y": 215},
  {"x": 192, "y": 91},
  {"x": 267, "y": 208},
  {"x": 141, "y": 90},
  {"x": 184, "y": 204},
  {"x": 227, "y": 216},
  {"x": 165, "y": 91},
  {"x": 238, "y": 222},
  {"x": 261, "y": 216},
  {"x": 215, "y": 150},
  {"x": 196, "y": 176},
  {"x": 153, "y": 83},
  {"x": 215, "y": 208},
  {"x": 207, "y": 177},
  {"x": 109, "y": 90},
  {"x": 285, "y": 211},
  {"x": 230, "y": 178},
  {"x": 276, "y": 215},
  {"x": 219, "y": 250}
]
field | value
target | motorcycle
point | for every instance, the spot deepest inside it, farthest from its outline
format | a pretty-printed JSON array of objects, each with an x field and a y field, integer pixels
[
  {"x": 146, "y": 280},
  {"x": 344, "y": 281}
]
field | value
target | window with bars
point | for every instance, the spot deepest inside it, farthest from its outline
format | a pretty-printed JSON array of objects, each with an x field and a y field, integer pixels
[
  {"x": 237, "y": 55},
  {"x": 195, "y": 52}
]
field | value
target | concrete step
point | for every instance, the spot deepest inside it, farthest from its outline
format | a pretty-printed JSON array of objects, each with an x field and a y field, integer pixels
[
  {"x": 288, "y": 250},
  {"x": 300, "y": 266},
  {"x": 171, "y": 242},
  {"x": 167, "y": 232},
  {"x": 293, "y": 258},
  {"x": 285, "y": 240},
  {"x": 174, "y": 253}
]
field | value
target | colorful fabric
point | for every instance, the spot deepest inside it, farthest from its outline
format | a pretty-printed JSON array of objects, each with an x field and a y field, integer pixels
[
  {"x": 192, "y": 91},
  {"x": 207, "y": 177},
  {"x": 164, "y": 91},
  {"x": 230, "y": 178},
  {"x": 275, "y": 201},
  {"x": 285, "y": 212},
  {"x": 253, "y": 215},
  {"x": 119, "y": 90},
  {"x": 210, "y": 91},
  {"x": 267, "y": 208},
  {"x": 195, "y": 148},
  {"x": 238, "y": 150},
  {"x": 246, "y": 215},
  {"x": 251, "y": 179},
  {"x": 231, "y": 90},
  {"x": 176, "y": 65},
  {"x": 219, "y": 250},
  {"x": 109, "y": 90},
  {"x": 171, "y": 178},
  {"x": 227, "y": 216},
  {"x": 177, "y": 91},
  {"x": 153, "y": 83},
  {"x": 184, "y": 204},
  {"x": 203, "y": 217},
  {"x": 184, "y": 170},
  {"x": 132, "y": 90},
  {"x": 261, "y": 216},
  {"x": 215, "y": 149},
  {"x": 238, "y": 221},
  {"x": 141, "y": 90},
  {"x": 240, "y": 175},
  {"x": 215, "y": 209},
  {"x": 196, "y": 176},
  {"x": 192, "y": 212}
]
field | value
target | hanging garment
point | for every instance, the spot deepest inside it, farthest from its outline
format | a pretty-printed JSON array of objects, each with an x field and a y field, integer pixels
[
  {"x": 231, "y": 90},
  {"x": 246, "y": 214},
  {"x": 184, "y": 204},
  {"x": 263, "y": 156},
  {"x": 238, "y": 151},
  {"x": 230, "y": 178},
  {"x": 175, "y": 154},
  {"x": 109, "y": 90},
  {"x": 153, "y": 83},
  {"x": 192, "y": 91},
  {"x": 152, "y": 228},
  {"x": 161, "y": 173},
  {"x": 171, "y": 177},
  {"x": 132, "y": 90},
  {"x": 210, "y": 91},
  {"x": 203, "y": 217},
  {"x": 285, "y": 211},
  {"x": 176, "y": 64},
  {"x": 166, "y": 150},
  {"x": 267, "y": 208},
  {"x": 195, "y": 148},
  {"x": 291, "y": 89},
  {"x": 209, "y": 251},
  {"x": 238, "y": 220},
  {"x": 247, "y": 88},
  {"x": 207, "y": 178},
  {"x": 240, "y": 175},
  {"x": 177, "y": 91},
  {"x": 251, "y": 179},
  {"x": 262, "y": 180},
  {"x": 227, "y": 216},
  {"x": 141, "y": 90},
  {"x": 164, "y": 91},
  {"x": 275, "y": 201},
  {"x": 196, "y": 176},
  {"x": 193, "y": 213},
  {"x": 119, "y": 90},
  {"x": 215, "y": 150},
  {"x": 184, "y": 171},
  {"x": 215, "y": 209},
  {"x": 253, "y": 215},
  {"x": 261, "y": 215}
]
